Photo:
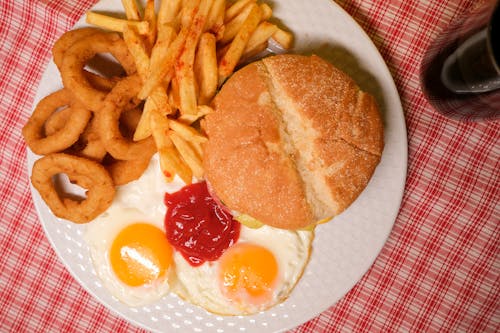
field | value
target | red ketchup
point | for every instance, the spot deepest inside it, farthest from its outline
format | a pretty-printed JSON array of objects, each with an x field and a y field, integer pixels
[{"x": 196, "y": 226}]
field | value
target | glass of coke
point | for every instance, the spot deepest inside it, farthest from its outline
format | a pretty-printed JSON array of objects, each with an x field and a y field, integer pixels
[{"x": 460, "y": 71}]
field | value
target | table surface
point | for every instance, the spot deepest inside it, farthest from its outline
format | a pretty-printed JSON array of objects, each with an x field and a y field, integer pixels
[{"x": 439, "y": 270}]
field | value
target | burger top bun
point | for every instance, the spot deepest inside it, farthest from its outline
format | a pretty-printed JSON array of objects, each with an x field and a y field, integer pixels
[{"x": 292, "y": 141}]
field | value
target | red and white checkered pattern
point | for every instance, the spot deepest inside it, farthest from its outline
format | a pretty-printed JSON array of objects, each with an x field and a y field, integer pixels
[{"x": 439, "y": 271}]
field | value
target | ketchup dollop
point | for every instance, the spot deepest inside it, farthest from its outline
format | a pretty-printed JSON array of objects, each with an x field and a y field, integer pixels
[{"x": 197, "y": 226}]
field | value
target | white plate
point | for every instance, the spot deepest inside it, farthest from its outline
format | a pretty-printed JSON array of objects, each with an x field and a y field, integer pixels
[{"x": 343, "y": 250}]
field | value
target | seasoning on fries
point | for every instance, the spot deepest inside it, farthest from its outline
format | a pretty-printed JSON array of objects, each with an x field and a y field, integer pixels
[{"x": 183, "y": 54}]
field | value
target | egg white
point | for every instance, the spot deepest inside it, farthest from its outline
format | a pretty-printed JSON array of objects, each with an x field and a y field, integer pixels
[{"x": 200, "y": 285}]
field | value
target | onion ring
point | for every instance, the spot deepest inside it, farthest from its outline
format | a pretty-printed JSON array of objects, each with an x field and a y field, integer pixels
[
  {"x": 101, "y": 83},
  {"x": 66, "y": 41},
  {"x": 88, "y": 145},
  {"x": 57, "y": 121},
  {"x": 125, "y": 171},
  {"x": 60, "y": 140},
  {"x": 116, "y": 144},
  {"x": 81, "y": 171},
  {"x": 75, "y": 58}
]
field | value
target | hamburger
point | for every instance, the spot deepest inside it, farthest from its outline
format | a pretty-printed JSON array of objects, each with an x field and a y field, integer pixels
[{"x": 292, "y": 141}]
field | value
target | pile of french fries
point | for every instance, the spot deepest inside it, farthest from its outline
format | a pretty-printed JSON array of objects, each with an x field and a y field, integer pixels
[{"x": 184, "y": 51}]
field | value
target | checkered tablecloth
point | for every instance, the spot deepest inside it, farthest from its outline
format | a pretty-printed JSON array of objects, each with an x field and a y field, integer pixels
[{"x": 438, "y": 272}]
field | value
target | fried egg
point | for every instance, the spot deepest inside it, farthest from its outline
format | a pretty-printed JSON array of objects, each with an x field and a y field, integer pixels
[
  {"x": 127, "y": 243},
  {"x": 256, "y": 273}
]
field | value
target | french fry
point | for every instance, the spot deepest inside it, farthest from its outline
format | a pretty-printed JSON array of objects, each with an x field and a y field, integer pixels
[
  {"x": 197, "y": 146},
  {"x": 158, "y": 100},
  {"x": 165, "y": 36},
  {"x": 236, "y": 9},
  {"x": 187, "y": 88},
  {"x": 232, "y": 27},
  {"x": 260, "y": 36},
  {"x": 266, "y": 11},
  {"x": 150, "y": 17},
  {"x": 189, "y": 155},
  {"x": 188, "y": 11},
  {"x": 187, "y": 132},
  {"x": 283, "y": 38},
  {"x": 136, "y": 48},
  {"x": 215, "y": 18},
  {"x": 233, "y": 54},
  {"x": 143, "y": 128},
  {"x": 160, "y": 128},
  {"x": 163, "y": 57},
  {"x": 141, "y": 59},
  {"x": 173, "y": 94},
  {"x": 131, "y": 10},
  {"x": 171, "y": 163},
  {"x": 168, "y": 11},
  {"x": 115, "y": 24},
  {"x": 164, "y": 71},
  {"x": 205, "y": 67},
  {"x": 201, "y": 111},
  {"x": 185, "y": 66}
]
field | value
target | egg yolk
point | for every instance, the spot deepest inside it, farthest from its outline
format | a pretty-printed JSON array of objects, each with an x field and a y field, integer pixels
[
  {"x": 140, "y": 253},
  {"x": 248, "y": 274}
]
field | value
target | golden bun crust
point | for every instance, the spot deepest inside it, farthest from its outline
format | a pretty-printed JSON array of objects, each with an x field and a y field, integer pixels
[{"x": 292, "y": 141}]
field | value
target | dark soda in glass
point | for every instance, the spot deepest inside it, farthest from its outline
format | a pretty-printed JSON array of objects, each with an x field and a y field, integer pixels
[{"x": 460, "y": 71}]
